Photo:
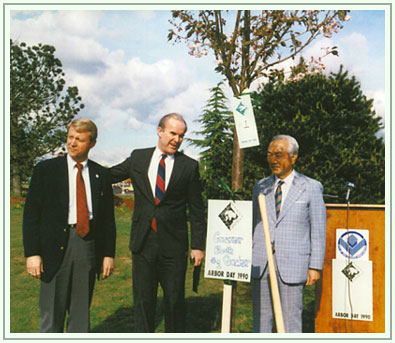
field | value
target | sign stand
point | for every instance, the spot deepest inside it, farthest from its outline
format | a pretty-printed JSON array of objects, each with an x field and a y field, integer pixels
[
  {"x": 229, "y": 249},
  {"x": 226, "y": 325}
]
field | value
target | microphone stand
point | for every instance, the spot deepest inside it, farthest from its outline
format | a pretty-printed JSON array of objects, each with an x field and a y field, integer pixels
[{"x": 349, "y": 186}]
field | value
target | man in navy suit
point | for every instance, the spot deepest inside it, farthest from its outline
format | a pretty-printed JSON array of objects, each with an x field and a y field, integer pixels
[
  {"x": 61, "y": 249},
  {"x": 297, "y": 224},
  {"x": 159, "y": 235}
]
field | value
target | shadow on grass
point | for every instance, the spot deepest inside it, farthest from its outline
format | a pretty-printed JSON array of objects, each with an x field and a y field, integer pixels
[{"x": 203, "y": 315}]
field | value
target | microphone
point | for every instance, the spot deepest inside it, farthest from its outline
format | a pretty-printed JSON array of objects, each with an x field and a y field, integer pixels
[{"x": 349, "y": 186}]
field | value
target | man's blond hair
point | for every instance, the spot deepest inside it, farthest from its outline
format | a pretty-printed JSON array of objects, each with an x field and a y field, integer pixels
[{"x": 84, "y": 125}]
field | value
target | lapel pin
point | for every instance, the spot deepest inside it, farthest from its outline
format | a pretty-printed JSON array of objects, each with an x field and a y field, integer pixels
[{"x": 97, "y": 176}]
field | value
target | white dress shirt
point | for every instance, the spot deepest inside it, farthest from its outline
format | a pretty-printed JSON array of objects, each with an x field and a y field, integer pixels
[
  {"x": 285, "y": 186},
  {"x": 73, "y": 170},
  {"x": 153, "y": 168}
]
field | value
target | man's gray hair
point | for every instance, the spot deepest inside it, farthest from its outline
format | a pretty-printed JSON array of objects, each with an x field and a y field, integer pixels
[{"x": 293, "y": 146}]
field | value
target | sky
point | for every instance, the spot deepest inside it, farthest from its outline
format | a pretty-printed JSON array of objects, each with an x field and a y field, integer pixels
[{"x": 129, "y": 75}]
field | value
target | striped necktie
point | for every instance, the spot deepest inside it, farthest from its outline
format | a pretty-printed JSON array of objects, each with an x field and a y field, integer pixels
[
  {"x": 160, "y": 186},
  {"x": 278, "y": 197},
  {"x": 82, "y": 205}
]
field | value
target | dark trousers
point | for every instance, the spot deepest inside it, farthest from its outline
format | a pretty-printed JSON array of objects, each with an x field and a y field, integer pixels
[
  {"x": 70, "y": 290},
  {"x": 150, "y": 268}
]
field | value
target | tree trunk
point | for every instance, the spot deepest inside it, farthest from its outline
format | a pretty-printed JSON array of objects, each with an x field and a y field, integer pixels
[
  {"x": 237, "y": 165},
  {"x": 16, "y": 185},
  {"x": 238, "y": 154}
]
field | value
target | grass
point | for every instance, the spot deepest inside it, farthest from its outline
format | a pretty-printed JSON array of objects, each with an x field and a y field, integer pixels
[{"x": 112, "y": 305}]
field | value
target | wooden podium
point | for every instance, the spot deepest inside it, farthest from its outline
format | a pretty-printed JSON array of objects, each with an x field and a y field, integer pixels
[{"x": 366, "y": 217}]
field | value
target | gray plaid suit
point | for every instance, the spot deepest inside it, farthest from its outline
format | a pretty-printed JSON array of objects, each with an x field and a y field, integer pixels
[{"x": 298, "y": 237}]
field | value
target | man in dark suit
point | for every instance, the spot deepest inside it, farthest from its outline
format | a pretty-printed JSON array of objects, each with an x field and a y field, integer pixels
[
  {"x": 165, "y": 183},
  {"x": 69, "y": 230},
  {"x": 297, "y": 224}
]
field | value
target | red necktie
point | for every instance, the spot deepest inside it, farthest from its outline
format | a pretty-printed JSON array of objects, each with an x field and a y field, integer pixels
[
  {"x": 82, "y": 205},
  {"x": 160, "y": 186}
]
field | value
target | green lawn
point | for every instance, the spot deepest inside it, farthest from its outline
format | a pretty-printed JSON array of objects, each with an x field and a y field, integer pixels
[{"x": 112, "y": 306}]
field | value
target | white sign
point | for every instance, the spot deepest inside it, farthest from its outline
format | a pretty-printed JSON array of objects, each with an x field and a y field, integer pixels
[
  {"x": 352, "y": 290},
  {"x": 352, "y": 276},
  {"x": 229, "y": 240},
  {"x": 245, "y": 121}
]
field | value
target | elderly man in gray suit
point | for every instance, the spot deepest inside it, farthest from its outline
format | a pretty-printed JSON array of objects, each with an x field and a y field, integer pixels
[{"x": 297, "y": 223}]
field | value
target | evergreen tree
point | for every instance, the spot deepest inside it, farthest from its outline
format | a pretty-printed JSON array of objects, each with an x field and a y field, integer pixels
[
  {"x": 330, "y": 117},
  {"x": 217, "y": 144},
  {"x": 336, "y": 129}
]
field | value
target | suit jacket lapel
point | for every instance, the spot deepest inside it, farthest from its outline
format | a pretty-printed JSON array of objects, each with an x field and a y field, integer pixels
[
  {"x": 268, "y": 191},
  {"x": 145, "y": 163},
  {"x": 64, "y": 184},
  {"x": 94, "y": 179},
  {"x": 177, "y": 172},
  {"x": 296, "y": 189}
]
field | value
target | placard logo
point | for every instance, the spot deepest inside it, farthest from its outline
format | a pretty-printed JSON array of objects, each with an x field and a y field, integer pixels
[
  {"x": 351, "y": 271},
  {"x": 352, "y": 244},
  {"x": 230, "y": 216},
  {"x": 241, "y": 108}
]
